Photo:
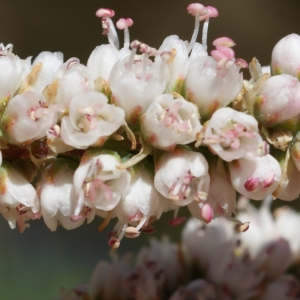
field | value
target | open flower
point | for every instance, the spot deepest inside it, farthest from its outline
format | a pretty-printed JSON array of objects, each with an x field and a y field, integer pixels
[
  {"x": 211, "y": 86},
  {"x": 91, "y": 120},
  {"x": 19, "y": 201},
  {"x": 27, "y": 117},
  {"x": 232, "y": 135},
  {"x": 98, "y": 181},
  {"x": 135, "y": 81},
  {"x": 57, "y": 194},
  {"x": 168, "y": 122},
  {"x": 182, "y": 176},
  {"x": 257, "y": 178}
]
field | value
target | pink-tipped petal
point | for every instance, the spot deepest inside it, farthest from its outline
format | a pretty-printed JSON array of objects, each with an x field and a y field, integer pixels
[{"x": 105, "y": 12}]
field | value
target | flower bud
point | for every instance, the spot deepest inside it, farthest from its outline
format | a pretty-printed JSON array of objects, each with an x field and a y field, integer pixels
[
  {"x": 278, "y": 102},
  {"x": 286, "y": 56}
]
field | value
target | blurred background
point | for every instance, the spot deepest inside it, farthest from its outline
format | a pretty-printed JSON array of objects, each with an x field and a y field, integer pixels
[{"x": 37, "y": 263}]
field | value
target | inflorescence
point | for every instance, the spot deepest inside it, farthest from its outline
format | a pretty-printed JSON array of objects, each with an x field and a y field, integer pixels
[{"x": 140, "y": 131}]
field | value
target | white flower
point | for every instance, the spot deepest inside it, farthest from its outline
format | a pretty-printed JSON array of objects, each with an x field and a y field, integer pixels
[
  {"x": 57, "y": 194},
  {"x": 91, "y": 120},
  {"x": 19, "y": 201},
  {"x": 12, "y": 69},
  {"x": 182, "y": 176},
  {"x": 141, "y": 203},
  {"x": 135, "y": 81},
  {"x": 98, "y": 181},
  {"x": 74, "y": 79},
  {"x": 102, "y": 60},
  {"x": 233, "y": 135},
  {"x": 168, "y": 122},
  {"x": 286, "y": 56},
  {"x": 255, "y": 178},
  {"x": 27, "y": 117},
  {"x": 221, "y": 198},
  {"x": 278, "y": 101},
  {"x": 211, "y": 86},
  {"x": 45, "y": 65}
]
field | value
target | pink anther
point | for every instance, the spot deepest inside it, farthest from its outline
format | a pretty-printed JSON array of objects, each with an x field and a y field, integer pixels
[
  {"x": 124, "y": 23},
  {"x": 105, "y": 12},
  {"x": 251, "y": 184},
  {"x": 222, "y": 53},
  {"x": 196, "y": 8},
  {"x": 212, "y": 13},
  {"x": 224, "y": 41}
]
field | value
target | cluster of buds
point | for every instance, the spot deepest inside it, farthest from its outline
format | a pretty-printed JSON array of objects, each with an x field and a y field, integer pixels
[
  {"x": 212, "y": 262},
  {"x": 140, "y": 131}
]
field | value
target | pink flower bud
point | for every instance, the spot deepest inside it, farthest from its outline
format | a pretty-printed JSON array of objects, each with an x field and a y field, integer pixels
[{"x": 286, "y": 56}]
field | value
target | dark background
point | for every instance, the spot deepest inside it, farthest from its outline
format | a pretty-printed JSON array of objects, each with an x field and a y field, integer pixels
[{"x": 35, "y": 264}]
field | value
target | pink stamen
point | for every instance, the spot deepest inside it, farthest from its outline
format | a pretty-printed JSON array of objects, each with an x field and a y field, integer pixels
[
  {"x": 107, "y": 190},
  {"x": 241, "y": 63},
  {"x": 196, "y": 8},
  {"x": 251, "y": 184},
  {"x": 181, "y": 190}
]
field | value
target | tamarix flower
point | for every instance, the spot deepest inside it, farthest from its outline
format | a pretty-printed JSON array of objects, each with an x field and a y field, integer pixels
[
  {"x": 232, "y": 135},
  {"x": 168, "y": 122},
  {"x": 211, "y": 85},
  {"x": 135, "y": 81},
  {"x": 277, "y": 102},
  {"x": 286, "y": 56},
  {"x": 182, "y": 176},
  {"x": 57, "y": 194},
  {"x": 98, "y": 181},
  {"x": 27, "y": 117},
  {"x": 91, "y": 120},
  {"x": 19, "y": 201},
  {"x": 255, "y": 178}
]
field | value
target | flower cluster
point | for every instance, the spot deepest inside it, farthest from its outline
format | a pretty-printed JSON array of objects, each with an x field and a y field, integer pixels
[
  {"x": 213, "y": 261},
  {"x": 139, "y": 131}
]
